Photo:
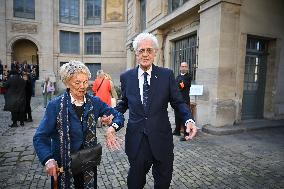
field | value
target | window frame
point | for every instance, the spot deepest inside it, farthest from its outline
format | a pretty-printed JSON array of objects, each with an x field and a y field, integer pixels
[
  {"x": 71, "y": 43},
  {"x": 93, "y": 19},
  {"x": 94, "y": 51},
  {"x": 171, "y": 2},
  {"x": 68, "y": 18},
  {"x": 24, "y": 13}
]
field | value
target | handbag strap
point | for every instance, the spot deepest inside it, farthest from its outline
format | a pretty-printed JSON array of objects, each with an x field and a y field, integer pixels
[{"x": 100, "y": 84}]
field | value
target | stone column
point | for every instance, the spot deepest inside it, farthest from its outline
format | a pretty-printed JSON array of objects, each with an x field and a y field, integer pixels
[{"x": 217, "y": 61}]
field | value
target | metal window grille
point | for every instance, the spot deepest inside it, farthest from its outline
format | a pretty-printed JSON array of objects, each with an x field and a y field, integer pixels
[{"x": 185, "y": 51}]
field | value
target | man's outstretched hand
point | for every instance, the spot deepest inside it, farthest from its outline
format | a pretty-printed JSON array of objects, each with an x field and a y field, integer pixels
[
  {"x": 112, "y": 141},
  {"x": 191, "y": 129}
]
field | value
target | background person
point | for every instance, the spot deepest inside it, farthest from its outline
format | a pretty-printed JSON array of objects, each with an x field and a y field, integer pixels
[
  {"x": 114, "y": 96},
  {"x": 183, "y": 82},
  {"x": 102, "y": 87},
  {"x": 15, "y": 98},
  {"x": 69, "y": 125},
  {"x": 29, "y": 91},
  {"x": 47, "y": 90}
]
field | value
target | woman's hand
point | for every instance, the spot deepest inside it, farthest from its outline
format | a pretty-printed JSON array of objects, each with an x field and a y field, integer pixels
[
  {"x": 51, "y": 168},
  {"x": 112, "y": 141}
]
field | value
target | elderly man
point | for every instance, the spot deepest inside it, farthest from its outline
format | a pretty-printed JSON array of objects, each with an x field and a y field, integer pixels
[{"x": 146, "y": 91}]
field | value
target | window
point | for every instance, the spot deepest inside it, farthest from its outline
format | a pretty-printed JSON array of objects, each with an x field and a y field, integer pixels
[
  {"x": 24, "y": 9},
  {"x": 93, "y": 11},
  {"x": 62, "y": 63},
  {"x": 93, "y": 43},
  {"x": 69, "y": 11},
  {"x": 185, "y": 51},
  {"x": 174, "y": 4},
  {"x": 69, "y": 42},
  {"x": 142, "y": 15},
  {"x": 93, "y": 67}
]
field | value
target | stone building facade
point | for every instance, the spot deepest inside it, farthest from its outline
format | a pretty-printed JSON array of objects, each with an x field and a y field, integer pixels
[
  {"x": 235, "y": 50},
  {"x": 50, "y": 33}
]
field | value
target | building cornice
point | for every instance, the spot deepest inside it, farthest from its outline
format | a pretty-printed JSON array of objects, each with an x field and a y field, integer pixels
[{"x": 211, "y": 3}]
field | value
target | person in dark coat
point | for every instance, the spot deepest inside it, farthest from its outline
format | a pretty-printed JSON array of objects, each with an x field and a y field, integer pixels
[
  {"x": 15, "y": 100},
  {"x": 146, "y": 92},
  {"x": 29, "y": 91},
  {"x": 70, "y": 119},
  {"x": 183, "y": 82}
]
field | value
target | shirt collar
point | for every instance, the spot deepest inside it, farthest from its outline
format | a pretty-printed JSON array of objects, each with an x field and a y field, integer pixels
[
  {"x": 76, "y": 102},
  {"x": 141, "y": 72}
]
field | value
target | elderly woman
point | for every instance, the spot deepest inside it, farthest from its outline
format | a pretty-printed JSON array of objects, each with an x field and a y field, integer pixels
[{"x": 69, "y": 126}]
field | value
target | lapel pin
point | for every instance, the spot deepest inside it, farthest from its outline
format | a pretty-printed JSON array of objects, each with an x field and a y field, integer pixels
[{"x": 156, "y": 77}]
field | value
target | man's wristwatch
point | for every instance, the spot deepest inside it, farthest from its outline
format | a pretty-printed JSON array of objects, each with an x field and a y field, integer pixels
[{"x": 115, "y": 126}]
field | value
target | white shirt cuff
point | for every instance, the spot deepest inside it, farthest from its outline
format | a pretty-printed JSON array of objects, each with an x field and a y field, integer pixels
[
  {"x": 114, "y": 125},
  {"x": 48, "y": 161},
  {"x": 190, "y": 120}
]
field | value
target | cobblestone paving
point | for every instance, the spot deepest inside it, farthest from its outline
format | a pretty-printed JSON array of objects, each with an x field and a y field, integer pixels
[{"x": 249, "y": 160}]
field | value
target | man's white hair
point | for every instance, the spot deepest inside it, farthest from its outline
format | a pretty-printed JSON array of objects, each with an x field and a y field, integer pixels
[
  {"x": 73, "y": 67},
  {"x": 143, "y": 36}
]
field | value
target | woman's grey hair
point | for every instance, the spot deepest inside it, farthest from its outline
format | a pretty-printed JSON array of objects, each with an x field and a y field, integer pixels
[
  {"x": 73, "y": 67},
  {"x": 143, "y": 36}
]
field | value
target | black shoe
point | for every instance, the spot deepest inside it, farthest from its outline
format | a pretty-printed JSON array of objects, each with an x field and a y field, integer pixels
[
  {"x": 176, "y": 133},
  {"x": 30, "y": 120},
  {"x": 182, "y": 139},
  {"x": 22, "y": 123},
  {"x": 13, "y": 125}
]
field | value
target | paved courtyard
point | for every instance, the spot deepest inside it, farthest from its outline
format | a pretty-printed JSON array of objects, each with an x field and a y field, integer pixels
[{"x": 249, "y": 160}]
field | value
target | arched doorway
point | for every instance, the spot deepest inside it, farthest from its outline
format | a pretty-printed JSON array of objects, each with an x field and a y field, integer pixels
[{"x": 24, "y": 50}]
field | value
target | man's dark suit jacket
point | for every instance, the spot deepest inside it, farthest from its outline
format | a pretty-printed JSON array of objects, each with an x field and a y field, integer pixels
[
  {"x": 155, "y": 121},
  {"x": 186, "y": 79}
]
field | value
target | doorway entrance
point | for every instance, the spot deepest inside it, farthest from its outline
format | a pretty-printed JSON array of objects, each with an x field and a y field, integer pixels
[
  {"x": 254, "y": 80},
  {"x": 25, "y": 51}
]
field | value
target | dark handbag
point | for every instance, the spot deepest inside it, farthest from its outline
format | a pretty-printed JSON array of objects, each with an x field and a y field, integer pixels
[{"x": 86, "y": 159}]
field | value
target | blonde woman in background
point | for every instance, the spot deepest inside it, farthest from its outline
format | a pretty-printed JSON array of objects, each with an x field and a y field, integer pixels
[
  {"x": 47, "y": 90},
  {"x": 114, "y": 96}
]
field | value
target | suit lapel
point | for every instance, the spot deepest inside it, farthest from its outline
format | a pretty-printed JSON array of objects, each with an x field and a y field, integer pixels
[
  {"x": 153, "y": 84},
  {"x": 135, "y": 85}
]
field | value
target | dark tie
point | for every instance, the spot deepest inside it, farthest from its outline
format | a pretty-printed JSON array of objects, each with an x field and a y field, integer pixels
[{"x": 146, "y": 90}]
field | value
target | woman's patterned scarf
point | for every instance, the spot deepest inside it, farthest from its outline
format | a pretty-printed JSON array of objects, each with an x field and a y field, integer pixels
[{"x": 63, "y": 125}]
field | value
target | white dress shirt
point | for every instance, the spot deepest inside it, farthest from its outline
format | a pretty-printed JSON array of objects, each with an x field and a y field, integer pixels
[{"x": 141, "y": 79}]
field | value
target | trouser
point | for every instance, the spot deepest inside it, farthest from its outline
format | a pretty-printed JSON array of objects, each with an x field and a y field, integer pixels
[
  {"x": 28, "y": 111},
  {"x": 78, "y": 180},
  {"x": 46, "y": 98},
  {"x": 18, "y": 116},
  {"x": 179, "y": 122},
  {"x": 140, "y": 166}
]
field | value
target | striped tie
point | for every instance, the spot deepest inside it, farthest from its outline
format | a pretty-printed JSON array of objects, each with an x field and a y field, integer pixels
[{"x": 146, "y": 90}]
